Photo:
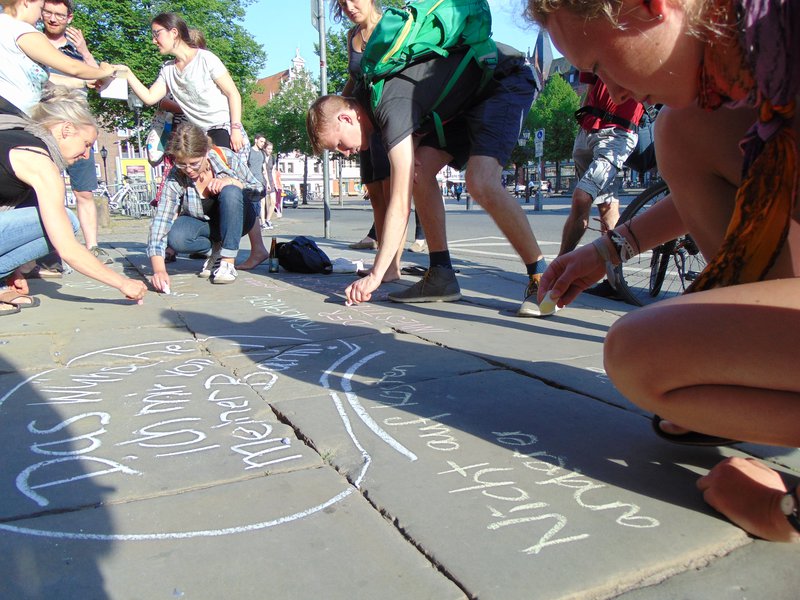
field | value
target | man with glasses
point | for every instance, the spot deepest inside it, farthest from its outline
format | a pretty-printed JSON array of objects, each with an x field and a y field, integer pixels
[{"x": 57, "y": 17}]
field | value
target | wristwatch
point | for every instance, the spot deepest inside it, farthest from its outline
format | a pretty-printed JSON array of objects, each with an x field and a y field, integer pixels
[{"x": 791, "y": 508}]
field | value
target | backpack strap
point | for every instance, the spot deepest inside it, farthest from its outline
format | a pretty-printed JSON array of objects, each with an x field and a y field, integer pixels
[
  {"x": 221, "y": 155},
  {"x": 605, "y": 116},
  {"x": 488, "y": 62}
]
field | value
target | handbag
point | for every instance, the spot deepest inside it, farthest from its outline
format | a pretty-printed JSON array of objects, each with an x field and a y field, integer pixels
[{"x": 158, "y": 136}]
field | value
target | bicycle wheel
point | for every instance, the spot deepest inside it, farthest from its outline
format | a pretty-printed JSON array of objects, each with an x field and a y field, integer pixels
[{"x": 664, "y": 271}]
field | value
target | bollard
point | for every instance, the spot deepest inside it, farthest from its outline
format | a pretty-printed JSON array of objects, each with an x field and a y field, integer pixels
[
  {"x": 103, "y": 214},
  {"x": 469, "y": 201}
]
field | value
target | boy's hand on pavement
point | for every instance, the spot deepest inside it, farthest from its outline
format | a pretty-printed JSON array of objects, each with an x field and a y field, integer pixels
[{"x": 361, "y": 289}]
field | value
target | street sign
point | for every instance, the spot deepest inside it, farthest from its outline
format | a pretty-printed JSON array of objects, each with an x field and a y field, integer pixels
[
  {"x": 540, "y": 135},
  {"x": 539, "y": 148},
  {"x": 315, "y": 14}
]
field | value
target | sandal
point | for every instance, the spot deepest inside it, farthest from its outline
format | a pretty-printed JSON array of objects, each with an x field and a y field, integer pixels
[
  {"x": 40, "y": 272},
  {"x": 8, "y": 309},
  {"x": 414, "y": 270},
  {"x": 690, "y": 438},
  {"x": 14, "y": 298}
]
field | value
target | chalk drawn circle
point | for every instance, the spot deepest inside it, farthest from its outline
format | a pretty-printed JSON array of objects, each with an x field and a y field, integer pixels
[{"x": 155, "y": 351}]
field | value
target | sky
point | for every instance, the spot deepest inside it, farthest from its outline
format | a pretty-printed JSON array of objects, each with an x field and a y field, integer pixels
[{"x": 281, "y": 30}]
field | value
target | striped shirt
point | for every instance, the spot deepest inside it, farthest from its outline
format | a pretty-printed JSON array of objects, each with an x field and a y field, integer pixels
[{"x": 180, "y": 196}]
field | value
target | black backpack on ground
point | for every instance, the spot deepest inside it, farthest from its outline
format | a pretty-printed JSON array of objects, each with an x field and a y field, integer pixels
[{"x": 302, "y": 255}]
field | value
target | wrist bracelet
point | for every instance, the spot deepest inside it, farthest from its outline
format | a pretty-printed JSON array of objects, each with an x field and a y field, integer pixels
[
  {"x": 623, "y": 247},
  {"x": 602, "y": 250},
  {"x": 236, "y": 126}
]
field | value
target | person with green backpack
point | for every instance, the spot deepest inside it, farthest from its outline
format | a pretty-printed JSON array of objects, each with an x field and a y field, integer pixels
[{"x": 439, "y": 91}]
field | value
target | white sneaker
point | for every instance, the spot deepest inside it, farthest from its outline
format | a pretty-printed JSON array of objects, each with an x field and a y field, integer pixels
[
  {"x": 210, "y": 264},
  {"x": 224, "y": 273}
]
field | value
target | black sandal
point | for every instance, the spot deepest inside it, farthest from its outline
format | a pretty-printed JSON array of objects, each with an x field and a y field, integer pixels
[
  {"x": 414, "y": 270},
  {"x": 690, "y": 438}
]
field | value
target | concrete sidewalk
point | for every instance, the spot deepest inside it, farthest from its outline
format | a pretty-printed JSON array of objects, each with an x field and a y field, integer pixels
[{"x": 262, "y": 440}]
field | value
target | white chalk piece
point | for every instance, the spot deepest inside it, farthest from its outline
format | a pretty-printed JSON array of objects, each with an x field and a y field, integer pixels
[
  {"x": 548, "y": 305},
  {"x": 165, "y": 289}
]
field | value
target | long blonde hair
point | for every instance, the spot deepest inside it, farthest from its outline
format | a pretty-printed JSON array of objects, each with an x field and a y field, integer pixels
[{"x": 59, "y": 104}]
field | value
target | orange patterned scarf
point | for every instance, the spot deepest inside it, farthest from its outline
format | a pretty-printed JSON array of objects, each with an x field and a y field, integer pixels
[{"x": 767, "y": 77}]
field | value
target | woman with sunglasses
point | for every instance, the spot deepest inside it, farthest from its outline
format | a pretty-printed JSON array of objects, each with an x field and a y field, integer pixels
[{"x": 205, "y": 207}]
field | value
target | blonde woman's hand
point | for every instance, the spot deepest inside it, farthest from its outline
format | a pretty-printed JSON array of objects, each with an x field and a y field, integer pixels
[{"x": 132, "y": 289}]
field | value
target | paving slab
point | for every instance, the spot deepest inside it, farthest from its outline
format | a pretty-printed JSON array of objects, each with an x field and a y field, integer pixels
[
  {"x": 264, "y": 439},
  {"x": 534, "y": 481},
  {"x": 299, "y": 535}
]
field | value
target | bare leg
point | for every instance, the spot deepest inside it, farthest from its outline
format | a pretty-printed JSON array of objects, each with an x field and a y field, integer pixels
[
  {"x": 87, "y": 216},
  {"x": 258, "y": 251},
  {"x": 483, "y": 181},
  {"x": 609, "y": 215},
  {"x": 577, "y": 222},
  {"x": 379, "y": 198},
  {"x": 428, "y": 197},
  {"x": 270, "y": 208}
]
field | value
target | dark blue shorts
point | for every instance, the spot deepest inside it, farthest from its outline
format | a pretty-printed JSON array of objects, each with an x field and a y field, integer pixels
[
  {"x": 491, "y": 127},
  {"x": 82, "y": 175}
]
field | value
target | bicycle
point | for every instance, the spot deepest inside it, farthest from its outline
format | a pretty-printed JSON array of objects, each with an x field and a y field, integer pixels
[
  {"x": 126, "y": 200},
  {"x": 666, "y": 270}
]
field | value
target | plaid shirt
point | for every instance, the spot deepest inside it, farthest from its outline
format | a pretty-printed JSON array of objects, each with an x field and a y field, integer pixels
[{"x": 180, "y": 196}]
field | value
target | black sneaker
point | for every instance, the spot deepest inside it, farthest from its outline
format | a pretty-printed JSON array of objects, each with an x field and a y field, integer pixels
[
  {"x": 530, "y": 306},
  {"x": 603, "y": 290},
  {"x": 439, "y": 284}
]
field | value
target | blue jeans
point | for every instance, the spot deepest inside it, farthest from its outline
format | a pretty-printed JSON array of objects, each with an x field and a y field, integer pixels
[
  {"x": 229, "y": 219},
  {"x": 22, "y": 237}
]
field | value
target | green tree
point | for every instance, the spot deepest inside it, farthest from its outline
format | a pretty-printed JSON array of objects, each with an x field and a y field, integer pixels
[
  {"x": 554, "y": 111},
  {"x": 119, "y": 32},
  {"x": 283, "y": 118}
]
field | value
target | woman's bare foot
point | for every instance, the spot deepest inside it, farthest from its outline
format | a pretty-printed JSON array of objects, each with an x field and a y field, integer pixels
[
  {"x": 749, "y": 494},
  {"x": 252, "y": 261}
]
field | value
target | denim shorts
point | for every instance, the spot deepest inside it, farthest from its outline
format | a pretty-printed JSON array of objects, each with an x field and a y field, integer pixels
[
  {"x": 598, "y": 157},
  {"x": 491, "y": 127},
  {"x": 82, "y": 175}
]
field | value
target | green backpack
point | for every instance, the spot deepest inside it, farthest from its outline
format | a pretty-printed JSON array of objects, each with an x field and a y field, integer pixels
[{"x": 427, "y": 28}]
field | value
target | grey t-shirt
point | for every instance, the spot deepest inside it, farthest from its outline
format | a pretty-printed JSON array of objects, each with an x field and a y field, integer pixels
[{"x": 255, "y": 162}]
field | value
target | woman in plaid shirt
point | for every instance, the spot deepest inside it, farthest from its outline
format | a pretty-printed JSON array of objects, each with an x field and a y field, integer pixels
[{"x": 205, "y": 207}]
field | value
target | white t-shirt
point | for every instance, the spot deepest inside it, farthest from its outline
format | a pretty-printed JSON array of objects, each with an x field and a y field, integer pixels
[
  {"x": 21, "y": 79},
  {"x": 194, "y": 89}
]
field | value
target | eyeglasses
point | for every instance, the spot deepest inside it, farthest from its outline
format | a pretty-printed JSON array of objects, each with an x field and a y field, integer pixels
[
  {"x": 157, "y": 32},
  {"x": 46, "y": 14},
  {"x": 194, "y": 166}
]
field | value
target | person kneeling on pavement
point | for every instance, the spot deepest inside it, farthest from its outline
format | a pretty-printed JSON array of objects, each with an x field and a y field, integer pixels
[
  {"x": 205, "y": 207},
  {"x": 33, "y": 220}
]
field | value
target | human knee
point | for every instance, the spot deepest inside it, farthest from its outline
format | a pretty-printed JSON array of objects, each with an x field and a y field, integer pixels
[
  {"x": 581, "y": 201},
  {"x": 484, "y": 190},
  {"x": 231, "y": 194}
]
